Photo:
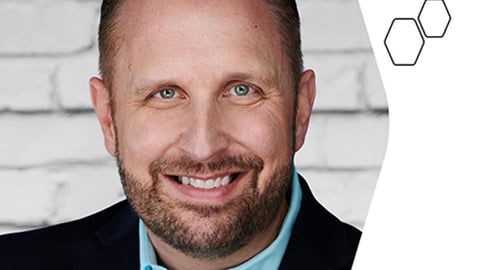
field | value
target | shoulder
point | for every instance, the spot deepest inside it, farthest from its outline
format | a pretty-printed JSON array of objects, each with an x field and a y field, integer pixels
[
  {"x": 319, "y": 238},
  {"x": 63, "y": 243}
]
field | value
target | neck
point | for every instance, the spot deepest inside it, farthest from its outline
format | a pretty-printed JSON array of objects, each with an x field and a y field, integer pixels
[{"x": 175, "y": 259}]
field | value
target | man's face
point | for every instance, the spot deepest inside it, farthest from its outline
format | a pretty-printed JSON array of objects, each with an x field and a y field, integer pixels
[{"x": 203, "y": 121}]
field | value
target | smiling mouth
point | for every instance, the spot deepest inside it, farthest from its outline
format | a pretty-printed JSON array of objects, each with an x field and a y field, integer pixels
[{"x": 211, "y": 183}]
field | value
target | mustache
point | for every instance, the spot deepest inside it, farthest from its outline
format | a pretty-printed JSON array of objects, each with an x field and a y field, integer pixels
[{"x": 187, "y": 165}]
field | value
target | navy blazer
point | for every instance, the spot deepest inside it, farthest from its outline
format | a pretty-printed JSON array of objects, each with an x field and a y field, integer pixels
[{"x": 109, "y": 240}]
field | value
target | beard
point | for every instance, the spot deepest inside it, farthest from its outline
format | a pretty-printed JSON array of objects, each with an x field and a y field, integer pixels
[{"x": 208, "y": 232}]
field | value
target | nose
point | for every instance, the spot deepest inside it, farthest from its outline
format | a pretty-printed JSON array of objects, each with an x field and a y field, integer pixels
[{"x": 204, "y": 136}]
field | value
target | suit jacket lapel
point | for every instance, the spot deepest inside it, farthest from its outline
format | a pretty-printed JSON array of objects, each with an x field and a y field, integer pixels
[
  {"x": 318, "y": 238},
  {"x": 118, "y": 244}
]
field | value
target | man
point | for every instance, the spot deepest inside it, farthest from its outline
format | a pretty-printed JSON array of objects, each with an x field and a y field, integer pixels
[{"x": 203, "y": 104}]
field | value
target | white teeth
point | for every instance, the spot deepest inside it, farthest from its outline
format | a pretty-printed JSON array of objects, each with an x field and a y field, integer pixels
[
  {"x": 218, "y": 182},
  {"x": 199, "y": 183},
  {"x": 226, "y": 180},
  {"x": 206, "y": 184},
  {"x": 210, "y": 183}
]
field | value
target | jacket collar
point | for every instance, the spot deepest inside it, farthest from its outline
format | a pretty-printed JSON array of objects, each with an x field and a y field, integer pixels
[
  {"x": 319, "y": 239},
  {"x": 118, "y": 241}
]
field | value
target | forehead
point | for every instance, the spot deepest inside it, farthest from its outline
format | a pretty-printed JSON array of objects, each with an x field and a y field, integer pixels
[
  {"x": 160, "y": 15},
  {"x": 154, "y": 30}
]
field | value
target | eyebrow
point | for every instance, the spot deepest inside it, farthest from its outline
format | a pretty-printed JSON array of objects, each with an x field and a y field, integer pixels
[
  {"x": 267, "y": 80},
  {"x": 144, "y": 88}
]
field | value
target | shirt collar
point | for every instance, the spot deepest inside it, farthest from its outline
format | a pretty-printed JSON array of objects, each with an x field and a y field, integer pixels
[{"x": 269, "y": 258}]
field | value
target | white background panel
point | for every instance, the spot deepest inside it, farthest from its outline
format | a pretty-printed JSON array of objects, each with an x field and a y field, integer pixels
[{"x": 425, "y": 210}]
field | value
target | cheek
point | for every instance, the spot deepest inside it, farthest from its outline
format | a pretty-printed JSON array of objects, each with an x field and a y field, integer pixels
[
  {"x": 266, "y": 132},
  {"x": 269, "y": 138},
  {"x": 143, "y": 138}
]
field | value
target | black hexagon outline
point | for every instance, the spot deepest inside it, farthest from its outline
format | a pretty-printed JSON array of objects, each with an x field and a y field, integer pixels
[
  {"x": 446, "y": 26},
  {"x": 421, "y": 36}
]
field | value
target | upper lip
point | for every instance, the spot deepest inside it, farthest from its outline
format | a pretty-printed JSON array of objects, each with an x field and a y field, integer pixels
[{"x": 206, "y": 177}]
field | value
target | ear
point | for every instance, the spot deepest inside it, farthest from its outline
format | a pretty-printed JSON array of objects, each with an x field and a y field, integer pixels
[
  {"x": 101, "y": 102},
  {"x": 305, "y": 99}
]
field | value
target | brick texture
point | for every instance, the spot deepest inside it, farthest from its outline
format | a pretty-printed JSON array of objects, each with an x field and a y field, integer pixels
[
  {"x": 72, "y": 79},
  {"x": 33, "y": 28},
  {"x": 346, "y": 82},
  {"x": 35, "y": 140},
  {"x": 57, "y": 193},
  {"x": 53, "y": 165},
  {"x": 33, "y": 79},
  {"x": 333, "y": 25},
  {"x": 345, "y": 141},
  {"x": 334, "y": 187}
]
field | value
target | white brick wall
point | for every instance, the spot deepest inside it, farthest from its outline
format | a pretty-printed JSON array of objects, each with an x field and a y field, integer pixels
[
  {"x": 33, "y": 79},
  {"x": 53, "y": 166},
  {"x": 344, "y": 141},
  {"x": 31, "y": 28},
  {"x": 43, "y": 139},
  {"x": 333, "y": 25},
  {"x": 72, "y": 85}
]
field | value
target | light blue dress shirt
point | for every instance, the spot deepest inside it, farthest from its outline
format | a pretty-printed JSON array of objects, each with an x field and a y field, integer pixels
[{"x": 268, "y": 259}]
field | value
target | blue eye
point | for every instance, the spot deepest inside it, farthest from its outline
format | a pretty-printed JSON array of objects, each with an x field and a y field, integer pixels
[
  {"x": 167, "y": 93},
  {"x": 241, "y": 90}
]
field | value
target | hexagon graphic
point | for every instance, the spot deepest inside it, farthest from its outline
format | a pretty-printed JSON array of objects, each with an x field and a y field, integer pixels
[
  {"x": 434, "y": 18},
  {"x": 404, "y": 42}
]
